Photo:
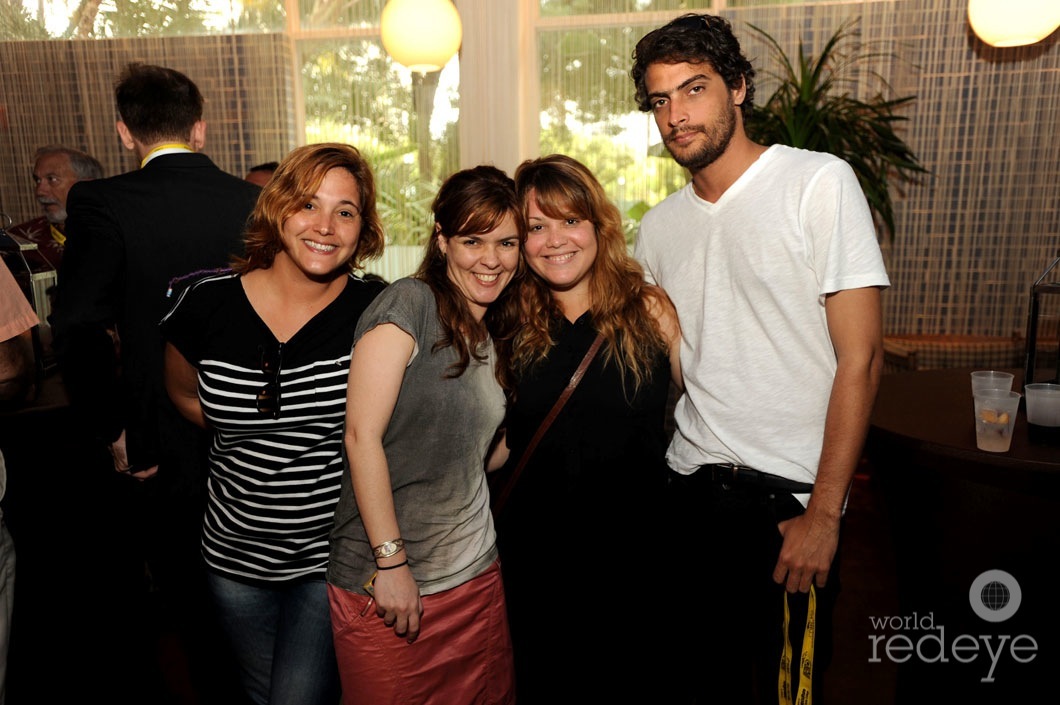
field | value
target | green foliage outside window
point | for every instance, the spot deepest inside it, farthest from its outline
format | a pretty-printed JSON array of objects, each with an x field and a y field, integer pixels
[
  {"x": 16, "y": 23},
  {"x": 344, "y": 100},
  {"x": 588, "y": 113}
]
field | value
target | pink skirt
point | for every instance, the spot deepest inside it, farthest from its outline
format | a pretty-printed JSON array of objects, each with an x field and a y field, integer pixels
[{"x": 463, "y": 655}]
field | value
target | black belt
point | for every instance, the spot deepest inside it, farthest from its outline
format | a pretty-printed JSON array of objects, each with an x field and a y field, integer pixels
[{"x": 743, "y": 476}]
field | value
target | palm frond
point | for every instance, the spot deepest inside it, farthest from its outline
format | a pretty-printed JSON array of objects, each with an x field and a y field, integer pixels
[{"x": 815, "y": 107}]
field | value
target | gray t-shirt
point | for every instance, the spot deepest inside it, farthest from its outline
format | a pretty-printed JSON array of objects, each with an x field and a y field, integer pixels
[{"x": 435, "y": 445}]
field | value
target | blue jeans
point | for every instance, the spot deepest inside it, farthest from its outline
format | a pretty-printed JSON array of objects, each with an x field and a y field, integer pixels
[{"x": 281, "y": 636}]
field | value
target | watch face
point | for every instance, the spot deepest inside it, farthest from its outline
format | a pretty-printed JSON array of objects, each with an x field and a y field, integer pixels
[{"x": 387, "y": 548}]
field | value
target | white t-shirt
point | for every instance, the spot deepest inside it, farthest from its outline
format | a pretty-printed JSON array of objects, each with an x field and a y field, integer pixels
[{"x": 748, "y": 275}]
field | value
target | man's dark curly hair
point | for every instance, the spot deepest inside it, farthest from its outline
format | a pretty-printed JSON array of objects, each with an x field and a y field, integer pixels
[{"x": 694, "y": 39}]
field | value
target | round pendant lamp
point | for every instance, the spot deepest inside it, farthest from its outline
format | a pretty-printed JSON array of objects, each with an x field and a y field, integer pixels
[
  {"x": 1013, "y": 23},
  {"x": 421, "y": 34}
]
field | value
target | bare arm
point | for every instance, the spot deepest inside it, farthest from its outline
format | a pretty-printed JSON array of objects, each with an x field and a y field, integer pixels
[
  {"x": 17, "y": 319},
  {"x": 182, "y": 384},
  {"x": 810, "y": 540},
  {"x": 16, "y": 367},
  {"x": 498, "y": 456},
  {"x": 664, "y": 312},
  {"x": 376, "y": 373}
]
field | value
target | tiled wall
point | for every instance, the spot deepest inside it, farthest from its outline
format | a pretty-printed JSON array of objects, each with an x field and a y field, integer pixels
[{"x": 986, "y": 222}]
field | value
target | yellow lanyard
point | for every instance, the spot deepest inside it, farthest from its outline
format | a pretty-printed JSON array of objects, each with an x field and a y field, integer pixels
[
  {"x": 171, "y": 145},
  {"x": 57, "y": 235},
  {"x": 806, "y": 663}
]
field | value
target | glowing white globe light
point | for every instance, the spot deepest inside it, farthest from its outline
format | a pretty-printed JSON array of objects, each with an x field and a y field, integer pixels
[
  {"x": 1013, "y": 23},
  {"x": 421, "y": 34}
]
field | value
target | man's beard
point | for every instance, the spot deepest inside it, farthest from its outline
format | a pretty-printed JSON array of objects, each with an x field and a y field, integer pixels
[
  {"x": 55, "y": 217},
  {"x": 719, "y": 135}
]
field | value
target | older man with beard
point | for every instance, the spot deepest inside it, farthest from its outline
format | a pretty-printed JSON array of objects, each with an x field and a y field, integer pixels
[{"x": 55, "y": 170}]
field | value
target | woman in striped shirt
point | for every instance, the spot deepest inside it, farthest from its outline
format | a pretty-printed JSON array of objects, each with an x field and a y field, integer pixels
[{"x": 260, "y": 355}]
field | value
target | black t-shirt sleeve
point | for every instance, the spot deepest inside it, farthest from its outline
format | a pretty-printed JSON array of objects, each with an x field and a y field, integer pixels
[{"x": 185, "y": 323}]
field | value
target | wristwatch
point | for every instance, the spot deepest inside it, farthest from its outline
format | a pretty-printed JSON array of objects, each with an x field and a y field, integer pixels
[{"x": 388, "y": 548}]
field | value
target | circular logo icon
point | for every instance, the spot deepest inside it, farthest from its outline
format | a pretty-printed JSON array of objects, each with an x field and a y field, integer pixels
[{"x": 995, "y": 596}]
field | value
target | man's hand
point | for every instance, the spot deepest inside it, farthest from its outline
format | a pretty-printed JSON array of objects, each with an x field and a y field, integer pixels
[
  {"x": 121, "y": 460},
  {"x": 810, "y": 543}
]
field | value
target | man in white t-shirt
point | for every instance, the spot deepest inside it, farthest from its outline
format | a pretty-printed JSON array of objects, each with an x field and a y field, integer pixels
[{"x": 771, "y": 258}]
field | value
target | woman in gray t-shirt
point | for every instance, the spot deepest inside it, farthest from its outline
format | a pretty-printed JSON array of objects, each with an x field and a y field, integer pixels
[{"x": 417, "y": 604}]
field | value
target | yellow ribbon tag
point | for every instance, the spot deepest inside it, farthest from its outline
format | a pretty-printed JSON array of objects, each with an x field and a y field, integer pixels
[{"x": 805, "y": 693}]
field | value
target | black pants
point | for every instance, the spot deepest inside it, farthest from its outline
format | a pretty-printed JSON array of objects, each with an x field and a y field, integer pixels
[{"x": 729, "y": 612}]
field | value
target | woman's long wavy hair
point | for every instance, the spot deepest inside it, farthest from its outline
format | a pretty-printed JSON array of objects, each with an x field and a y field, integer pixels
[
  {"x": 471, "y": 202},
  {"x": 294, "y": 184},
  {"x": 620, "y": 300}
]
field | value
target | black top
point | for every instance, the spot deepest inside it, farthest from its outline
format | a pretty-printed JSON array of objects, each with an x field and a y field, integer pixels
[
  {"x": 274, "y": 481},
  {"x": 585, "y": 516}
]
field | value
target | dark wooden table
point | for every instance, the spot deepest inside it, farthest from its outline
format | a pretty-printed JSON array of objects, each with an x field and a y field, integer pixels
[
  {"x": 928, "y": 415},
  {"x": 958, "y": 512}
]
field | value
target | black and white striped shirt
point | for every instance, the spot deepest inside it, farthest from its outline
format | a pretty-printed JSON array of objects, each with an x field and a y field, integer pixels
[{"x": 274, "y": 482}]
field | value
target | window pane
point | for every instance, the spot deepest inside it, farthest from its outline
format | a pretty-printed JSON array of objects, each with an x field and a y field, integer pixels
[
  {"x": 325, "y": 14},
  {"x": 587, "y": 112},
  {"x": 261, "y": 16},
  {"x": 17, "y": 22},
  {"x": 565, "y": 8},
  {"x": 68, "y": 19},
  {"x": 766, "y": 3},
  {"x": 404, "y": 124}
]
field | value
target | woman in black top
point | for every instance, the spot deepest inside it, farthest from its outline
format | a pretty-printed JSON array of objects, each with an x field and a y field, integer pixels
[
  {"x": 578, "y": 530},
  {"x": 260, "y": 355}
]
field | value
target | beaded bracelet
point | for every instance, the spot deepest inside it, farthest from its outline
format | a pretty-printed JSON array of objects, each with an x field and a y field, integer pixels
[
  {"x": 388, "y": 548},
  {"x": 391, "y": 567}
]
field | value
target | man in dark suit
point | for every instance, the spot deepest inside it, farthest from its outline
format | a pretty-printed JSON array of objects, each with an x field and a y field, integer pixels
[{"x": 130, "y": 239}]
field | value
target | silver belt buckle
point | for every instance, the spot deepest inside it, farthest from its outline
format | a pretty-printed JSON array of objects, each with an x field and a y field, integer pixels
[{"x": 733, "y": 470}]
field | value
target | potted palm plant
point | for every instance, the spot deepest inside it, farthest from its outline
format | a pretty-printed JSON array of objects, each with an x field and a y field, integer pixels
[{"x": 814, "y": 108}]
